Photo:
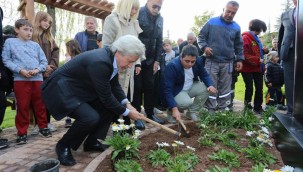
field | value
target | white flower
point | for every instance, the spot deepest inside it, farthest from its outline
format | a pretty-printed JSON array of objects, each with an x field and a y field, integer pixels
[
  {"x": 191, "y": 148},
  {"x": 160, "y": 144},
  {"x": 136, "y": 135},
  {"x": 179, "y": 142},
  {"x": 267, "y": 170},
  {"x": 127, "y": 147},
  {"x": 249, "y": 133},
  {"x": 262, "y": 122},
  {"x": 270, "y": 118},
  {"x": 223, "y": 114},
  {"x": 132, "y": 125},
  {"x": 123, "y": 127},
  {"x": 115, "y": 128},
  {"x": 287, "y": 168},
  {"x": 138, "y": 131},
  {"x": 121, "y": 121},
  {"x": 165, "y": 144},
  {"x": 265, "y": 130},
  {"x": 203, "y": 125}
]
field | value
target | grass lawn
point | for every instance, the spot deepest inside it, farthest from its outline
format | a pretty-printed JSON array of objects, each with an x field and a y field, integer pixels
[{"x": 9, "y": 118}]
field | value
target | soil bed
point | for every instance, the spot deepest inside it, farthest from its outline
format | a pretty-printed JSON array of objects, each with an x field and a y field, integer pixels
[{"x": 149, "y": 143}]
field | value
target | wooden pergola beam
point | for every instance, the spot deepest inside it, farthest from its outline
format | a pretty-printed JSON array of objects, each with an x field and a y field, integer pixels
[{"x": 97, "y": 8}]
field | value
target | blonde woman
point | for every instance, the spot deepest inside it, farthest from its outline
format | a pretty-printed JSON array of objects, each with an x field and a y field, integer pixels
[{"x": 123, "y": 21}]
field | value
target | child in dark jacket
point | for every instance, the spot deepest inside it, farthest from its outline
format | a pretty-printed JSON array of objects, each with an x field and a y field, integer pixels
[{"x": 274, "y": 79}]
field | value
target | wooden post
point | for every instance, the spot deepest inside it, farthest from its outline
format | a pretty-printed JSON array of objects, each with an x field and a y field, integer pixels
[
  {"x": 26, "y": 8},
  {"x": 29, "y": 10}
]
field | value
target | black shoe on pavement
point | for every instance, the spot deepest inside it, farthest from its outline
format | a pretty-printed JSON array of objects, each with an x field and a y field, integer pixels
[
  {"x": 21, "y": 139},
  {"x": 156, "y": 119},
  {"x": 3, "y": 143},
  {"x": 64, "y": 155},
  {"x": 68, "y": 124},
  {"x": 96, "y": 147},
  {"x": 45, "y": 132},
  {"x": 3, "y": 140}
]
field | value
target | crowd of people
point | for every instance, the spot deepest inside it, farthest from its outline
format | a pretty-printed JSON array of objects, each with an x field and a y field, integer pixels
[{"x": 129, "y": 66}]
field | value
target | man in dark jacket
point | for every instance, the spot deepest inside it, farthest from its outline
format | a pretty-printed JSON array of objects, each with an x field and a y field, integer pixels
[
  {"x": 191, "y": 40},
  {"x": 3, "y": 142},
  {"x": 87, "y": 89},
  {"x": 151, "y": 22},
  {"x": 286, "y": 51},
  {"x": 185, "y": 78}
]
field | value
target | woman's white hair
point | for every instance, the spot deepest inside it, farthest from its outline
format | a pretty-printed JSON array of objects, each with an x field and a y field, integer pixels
[
  {"x": 124, "y": 7},
  {"x": 129, "y": 45}
]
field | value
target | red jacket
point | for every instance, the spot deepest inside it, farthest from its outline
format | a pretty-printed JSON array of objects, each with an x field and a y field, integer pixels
[{"x": 252, "y": 54}]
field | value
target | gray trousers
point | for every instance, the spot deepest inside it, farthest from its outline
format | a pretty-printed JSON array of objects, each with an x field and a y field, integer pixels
[
  {"x": 221, "y": 75},
  {"x": 198, "y": 91},
  {"x": 289, "y": 67}
]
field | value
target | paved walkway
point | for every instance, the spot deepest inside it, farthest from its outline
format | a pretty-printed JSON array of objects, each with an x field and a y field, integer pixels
[{"x": 19, "y": 158}]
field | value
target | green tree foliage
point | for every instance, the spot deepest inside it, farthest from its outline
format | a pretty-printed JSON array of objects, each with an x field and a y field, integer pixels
[
  {"x": 285, "y": 7},
  {"x": 201, "y": 20}
]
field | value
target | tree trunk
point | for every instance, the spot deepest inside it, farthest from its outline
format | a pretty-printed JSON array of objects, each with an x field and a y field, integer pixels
[{"x": 51, "y": 11}]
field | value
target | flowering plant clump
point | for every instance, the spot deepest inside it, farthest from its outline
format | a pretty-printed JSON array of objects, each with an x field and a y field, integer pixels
[
  {"x": 286, "y": 168},
  {"x": 182, "y": 161},
  {"x": 124, "y": 144},
  {"x": 262, "y": 136}
]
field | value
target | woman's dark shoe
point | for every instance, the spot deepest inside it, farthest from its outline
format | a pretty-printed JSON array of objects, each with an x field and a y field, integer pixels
[
  {"x": 95, "y": 147},
  {"x": 64, "y": 155}
]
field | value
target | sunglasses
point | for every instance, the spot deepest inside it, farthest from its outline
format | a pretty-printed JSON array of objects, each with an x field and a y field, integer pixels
[{"x": 156, "y": 6}]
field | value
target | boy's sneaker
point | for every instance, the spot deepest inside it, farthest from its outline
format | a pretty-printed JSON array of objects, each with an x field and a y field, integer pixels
[
  {"x": 3, "y": 143},
  {"x": 249, "y": 105},
  {"x": 45, "y": 132},
  {"x": 51, "y": 127},
  {"x": 21, "y": 139},
  {"x": 35, "y": 130}
]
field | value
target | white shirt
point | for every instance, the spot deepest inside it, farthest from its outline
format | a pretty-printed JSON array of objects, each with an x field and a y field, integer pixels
[
  {"x": 188, "y": 79},
  {"x": 115, "y": 71}
]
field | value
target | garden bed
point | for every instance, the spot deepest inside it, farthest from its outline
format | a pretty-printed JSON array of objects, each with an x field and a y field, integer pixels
[{"x": 148, "y": 143}]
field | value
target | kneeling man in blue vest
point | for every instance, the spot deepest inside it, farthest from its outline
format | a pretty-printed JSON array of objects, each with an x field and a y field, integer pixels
[{"x": 186, "y": 85}]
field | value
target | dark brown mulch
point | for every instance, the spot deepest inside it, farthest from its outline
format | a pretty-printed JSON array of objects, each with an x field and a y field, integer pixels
[{"x": 149, "y": 143}]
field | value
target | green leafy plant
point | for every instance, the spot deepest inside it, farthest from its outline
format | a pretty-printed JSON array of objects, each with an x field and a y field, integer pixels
[
  {"x": 247, "y": 120},
  {"x": 230, "y": 158},
  {"x": 124, "y": 145},
  {"x": 159, "y": 157},
  {"x": 227, "y": 138},
  {"x": 127, "y": 166},
  {"x": 217, "y": 169},
  {"x": 174, "y": 166},
  {"x": 258, "y": 155},
  {"x": 258, "y": 168},
  {"x": 189, "y": 160}
]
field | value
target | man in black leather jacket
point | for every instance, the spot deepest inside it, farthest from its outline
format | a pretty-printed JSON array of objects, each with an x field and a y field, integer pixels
[{"x": 151, "y": 22}]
